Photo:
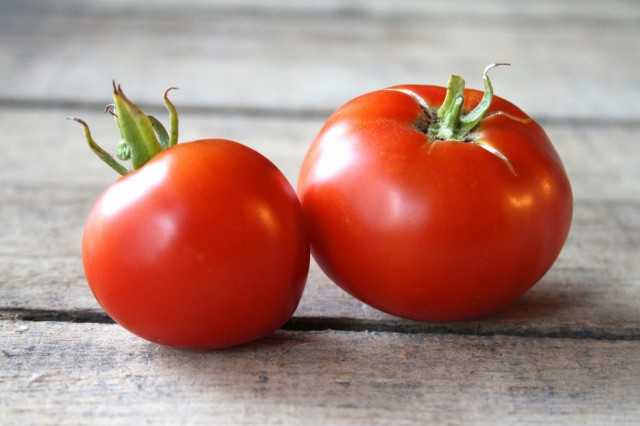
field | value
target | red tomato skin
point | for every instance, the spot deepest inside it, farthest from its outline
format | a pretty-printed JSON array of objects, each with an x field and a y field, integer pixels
[
  {"x": 433, "y": 230},
  {"x": 204, "y": 247}
]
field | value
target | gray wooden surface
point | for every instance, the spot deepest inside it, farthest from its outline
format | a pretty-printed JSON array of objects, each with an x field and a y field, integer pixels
[{"x": 268, "y": 74}]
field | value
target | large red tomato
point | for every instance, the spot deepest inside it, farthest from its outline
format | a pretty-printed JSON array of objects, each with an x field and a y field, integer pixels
[
  {"x": 203, "y": 246},
  {"x": 428, "y": 213}
]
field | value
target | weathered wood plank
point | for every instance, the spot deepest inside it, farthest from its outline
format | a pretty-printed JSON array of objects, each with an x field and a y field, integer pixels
[
  {"x": 601, "y": 158},
  {"x": 61, "y": 373},
  {"x": 59, "y": 154},
  {"x": 252, "y": 55},
  {"x": 591, "y": 291}
]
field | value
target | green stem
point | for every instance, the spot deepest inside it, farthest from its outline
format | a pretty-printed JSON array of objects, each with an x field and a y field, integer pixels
[
  {"x": 101, "y": 153},
  {"x": 173, "y": 117},
  {"x": 161, "y": 132},
  {"x": 136, "y": 128},
  {"x": 455, "y": 89},
  {"x": 143, "y": 136},
  {"x": 451, "y": 124},
  {"x": 450, "y": 119}
]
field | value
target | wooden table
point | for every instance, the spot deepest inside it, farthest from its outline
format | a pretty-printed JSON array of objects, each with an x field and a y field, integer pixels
[{"x": 268, "y": 74}]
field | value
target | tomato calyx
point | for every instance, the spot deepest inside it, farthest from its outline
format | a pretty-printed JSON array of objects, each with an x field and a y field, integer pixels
[
  {"x": 450, "y": 123},
  {"x": 142, "y": 136}
]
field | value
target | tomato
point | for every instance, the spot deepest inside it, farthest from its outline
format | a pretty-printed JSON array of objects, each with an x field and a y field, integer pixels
[
  {"x": 202, "y": 247},
  {"x": 425, "y": 207}
]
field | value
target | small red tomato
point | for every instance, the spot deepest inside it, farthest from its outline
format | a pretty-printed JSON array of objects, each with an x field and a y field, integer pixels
[
  {"x": 426, "y": 211},
  {"x": 202, "y": 247}
]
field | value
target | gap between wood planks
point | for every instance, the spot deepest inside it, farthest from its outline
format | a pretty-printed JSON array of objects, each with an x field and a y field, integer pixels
[
  {"x": 301, "y": 324},
  {"x": 221, "y": 110},
  {"x": 74, "y": 105}
]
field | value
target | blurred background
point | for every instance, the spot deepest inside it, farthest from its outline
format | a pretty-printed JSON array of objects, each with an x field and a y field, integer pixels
[
  {"x": 286, "y": 65},
  {"x": 310, "y": 57}
]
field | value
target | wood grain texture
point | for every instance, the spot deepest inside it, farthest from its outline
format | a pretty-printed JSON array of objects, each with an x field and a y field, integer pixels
[
  {"x": 95, "y": 373},
  {"x": 588, "y": 293},
  {"x": 601, "y": 158}
]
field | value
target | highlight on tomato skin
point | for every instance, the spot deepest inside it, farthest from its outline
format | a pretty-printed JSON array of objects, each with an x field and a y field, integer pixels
[
  {"x": 199, "y": 245},
  {"x": 434, "y": 203}
]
